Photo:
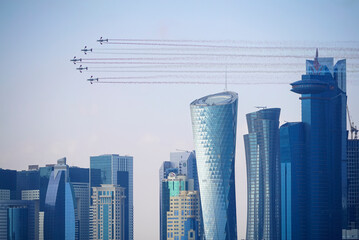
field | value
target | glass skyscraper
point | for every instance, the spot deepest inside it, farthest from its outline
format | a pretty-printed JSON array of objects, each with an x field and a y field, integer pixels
[
  {"x": 60, "y": 205},
  {"x": 293, "y": 182},
  {"x": 263, "y": 175},
  {"x": 323, "y": 96},
  {"x": 110, "y": 166},
  {"x": 214, "y": 124},
  {"x": 353, "y": 184}
]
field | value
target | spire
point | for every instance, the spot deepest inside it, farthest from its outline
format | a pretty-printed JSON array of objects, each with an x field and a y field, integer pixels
[{"x": 316, "y": 54}]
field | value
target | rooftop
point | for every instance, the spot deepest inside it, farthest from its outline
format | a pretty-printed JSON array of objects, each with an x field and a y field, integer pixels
[{"x": 216, "y": 99}]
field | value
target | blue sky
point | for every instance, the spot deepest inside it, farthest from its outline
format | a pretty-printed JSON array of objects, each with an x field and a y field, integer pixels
[{"x": 48, "y": 110}]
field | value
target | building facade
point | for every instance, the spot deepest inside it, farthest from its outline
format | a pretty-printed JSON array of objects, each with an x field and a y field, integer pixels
[
  {"x": 184, "y": 217},
  {"x": 293, "y": 182},
  {"x": 214, "y": 124},
  {"x": 79, "y": 179},
  {"x": 323, "y": 96},
  {"x": 18, "y": 219},
  {"x": 263, "y": 175},
  {"x": 353, "y": 183},
  {"x": 110, "y": 165},
  {"x": 7, "y": 184},
  {"x": 108, "y": 218}
]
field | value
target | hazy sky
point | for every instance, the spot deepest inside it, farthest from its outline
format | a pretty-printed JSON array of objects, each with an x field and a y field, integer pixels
[{"x": 49, "y": 111}]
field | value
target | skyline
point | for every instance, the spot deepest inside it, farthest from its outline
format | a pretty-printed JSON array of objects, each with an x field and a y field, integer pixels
[{"x": 49, "y": 110}]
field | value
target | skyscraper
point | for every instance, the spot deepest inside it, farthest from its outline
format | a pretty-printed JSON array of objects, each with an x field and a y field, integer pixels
[
  {"x": 7, "y": 184},
  {"x": 182, "y": 164},
  {"x": 293, "y": 182},
  {"x": 60, "y": 205},
  {"x": 108, "y": 221},
  {"x": 18, "y": 219},
  {"x": 214, "y": 124},
  {"x": 79, "y": 179},
  {"x": 110, "y": 165},
  {"x": 184, "y": 216},
  {"x": 263, "y": 175},
  {"x": 353, "y": 183},
  {"x": 323, "y": 96}
]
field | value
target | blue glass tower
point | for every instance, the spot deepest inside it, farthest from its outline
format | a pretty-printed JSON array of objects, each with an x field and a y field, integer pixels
[
  {"x": 293, "y": 182},
  {"x": 109, "y": 166},
  {"x": 17, "y": 223},
  {"x": 263, "y": 175},
  {"x": 214, "y": 124},
  {"x": 60, "y": 205},
  {"x": 323, "y": 96}
]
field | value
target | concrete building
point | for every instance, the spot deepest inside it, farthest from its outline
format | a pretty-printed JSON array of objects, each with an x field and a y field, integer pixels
[
  {"x": 184, "y": 217},
  {"x": 106, "y": 169},
  {"x": 108, "y": 212}
]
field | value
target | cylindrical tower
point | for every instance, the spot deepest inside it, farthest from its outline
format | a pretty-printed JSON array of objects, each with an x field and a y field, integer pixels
[{"x": 214, "y": 124}]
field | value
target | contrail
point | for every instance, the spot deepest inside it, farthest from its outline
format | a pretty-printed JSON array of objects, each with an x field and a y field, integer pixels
[
  {"x": 227, "y": 46},
  {"x": 189, "y": 82}
]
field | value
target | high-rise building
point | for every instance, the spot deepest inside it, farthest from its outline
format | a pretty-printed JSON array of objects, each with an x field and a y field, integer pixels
[
  {"x": 323, "y": 96},
  {"x": 171, "y": 186},
  {"x": 108, "y": 220},
  {"x": 293, "y": 182},
  {"x": 263, "y": 175},
  {"x": 110, "y": 165},
  {"x": 182, "y": 164},
  {"x": 18, "y": 219},
  {"x": 7, "y": 184},
  {"x": 184, "y": 216},
  {"x": 60, "y": 205},
  {"x": 79, "y": 179},
  {"x": 27, "y": 180},
  {"x": 214, "y": 124},
  {"x": 353, "y": 183}
]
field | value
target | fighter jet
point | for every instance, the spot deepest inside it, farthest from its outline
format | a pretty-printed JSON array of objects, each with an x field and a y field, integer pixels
[
  {"x": 101, "y": 40},
  {"x": 92, "y": 79},
  {"x": 81, "y": 68},
  {"x": 85, "y": 49},
  {"x": 76, "y": 60}
]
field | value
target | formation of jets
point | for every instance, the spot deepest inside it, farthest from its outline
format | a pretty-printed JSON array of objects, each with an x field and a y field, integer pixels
[{"x": 85, "y": 50}]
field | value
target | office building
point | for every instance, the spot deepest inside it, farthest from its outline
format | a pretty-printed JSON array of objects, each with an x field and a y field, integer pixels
[
  {"x": 18, "y": 219},
  {"x": 263, "y": 175},
  {"x": 60, "y": 205},
  {"x": 214, "y": 124},
  {"x": 108, "y": 216},
  {"x": 110, "y": 165},
  {"x": 7, "y": 184},
  {"x": 79, "y": 180},
  {"x": 293, "y": 181},
  {"x": 323, "y": 96},
  {"x": 184, "y": 217},
  {"x": 171, "y": 186},
  {"x": 182, "y": 164},
  {"x": 27, "y": 180},
  {"x": 353, "y": 183}
]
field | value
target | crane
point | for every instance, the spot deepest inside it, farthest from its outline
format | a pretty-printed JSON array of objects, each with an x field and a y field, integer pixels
[{"x": 353, "y": 129}]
